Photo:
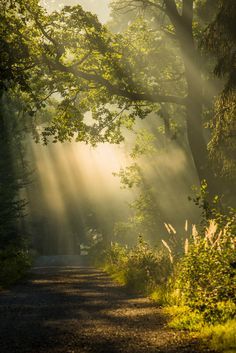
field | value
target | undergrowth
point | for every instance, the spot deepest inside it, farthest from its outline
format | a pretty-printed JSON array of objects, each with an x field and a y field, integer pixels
[
  {"x": 14, "y": 264},
  {"x": 196, "y": 285},
  {"x": 140, "y": 269}
]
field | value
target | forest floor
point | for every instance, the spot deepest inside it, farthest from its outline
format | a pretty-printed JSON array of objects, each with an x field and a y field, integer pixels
[{"x": 67, "y": 309}]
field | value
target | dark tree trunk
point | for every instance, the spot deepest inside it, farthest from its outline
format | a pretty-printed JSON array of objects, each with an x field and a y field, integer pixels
[
  {"x": 8, "y": 185},
  {"x": 183, "y": 24}
]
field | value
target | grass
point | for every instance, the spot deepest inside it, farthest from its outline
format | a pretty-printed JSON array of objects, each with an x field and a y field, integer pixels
[
  {"x": 185, "y": 319},
  {"x": 195, "y": 286},
  {"x": 115, "y": 274},
  {"x": 161, "y": 296},
  {"x": 220, "y": 337}
]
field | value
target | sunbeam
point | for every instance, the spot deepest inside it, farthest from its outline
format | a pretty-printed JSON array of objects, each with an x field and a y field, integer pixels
[{"x": 75, "y": 191}]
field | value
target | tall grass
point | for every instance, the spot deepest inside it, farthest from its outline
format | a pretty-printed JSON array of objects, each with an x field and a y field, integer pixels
[
  {"x": 193, "y": 275},
  {"x": 205, "y": 275}
]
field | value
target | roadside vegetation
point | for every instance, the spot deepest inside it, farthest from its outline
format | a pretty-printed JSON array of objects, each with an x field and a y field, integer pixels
[
  {"x": 192, "y": 277},
  {"x": 14, "y": 264}
]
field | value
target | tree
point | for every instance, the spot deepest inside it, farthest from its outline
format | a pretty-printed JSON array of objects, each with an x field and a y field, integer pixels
[
  {"x": 145, "y": 217},
  {"x": 180, "y": 24},
  {"x": 95, "y": 70},
  {"x": 220, "y": 39},
  {"x": 14, "y": 65},
  {"x": 119, "y": 77}
]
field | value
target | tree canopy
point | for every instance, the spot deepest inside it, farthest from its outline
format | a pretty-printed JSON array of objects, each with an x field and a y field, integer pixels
[{"x": 72, "y": 61}]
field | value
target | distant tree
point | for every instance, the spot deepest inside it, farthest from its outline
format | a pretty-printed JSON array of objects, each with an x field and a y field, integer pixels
[{"x": 145, "y": 217}]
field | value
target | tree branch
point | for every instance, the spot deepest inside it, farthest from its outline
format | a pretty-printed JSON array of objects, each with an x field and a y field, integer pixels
[
  {"x": 116, "y": 90},
  {"x": 60, "y": 50},
  {"x": 173, "y": 13},
  {"x": 187, "y": 11}
]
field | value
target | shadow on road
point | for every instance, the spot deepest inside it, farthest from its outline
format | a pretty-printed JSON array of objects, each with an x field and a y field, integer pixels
[{"x": 72, "y": 309}]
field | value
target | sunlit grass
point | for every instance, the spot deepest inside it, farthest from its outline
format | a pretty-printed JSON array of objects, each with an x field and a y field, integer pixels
[
  {"x": 160, "y": 296},
  {"x": 185, "y": 319},
  {"x": 222, "y": 337}
]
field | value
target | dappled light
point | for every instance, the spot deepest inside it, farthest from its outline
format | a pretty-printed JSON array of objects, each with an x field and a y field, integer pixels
[
  {"x": 77, "y": 191},
  {"x": 117, "y": 176}
]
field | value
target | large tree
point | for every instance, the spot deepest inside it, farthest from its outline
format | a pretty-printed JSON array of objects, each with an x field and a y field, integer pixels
[{"x": 154, "y": 66}]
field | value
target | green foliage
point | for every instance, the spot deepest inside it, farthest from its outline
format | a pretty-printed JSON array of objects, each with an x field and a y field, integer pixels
[
  {"x": 14, "y": 51},
  {"x": 144, "y": 144},
  {"x": 14, "y": 263},
  {"x": 197, "y": 289},
  {"x": 162, "y": 295},
  {"x": 146, "y": 268},
  {"x": 183, "y": 318},
  {"x": 143, "y": 219},
  {"x": 130, "y": 176},
  {"x": 89, "y": 68},
  {"x": 222, "y": 336},
  {"x": 205, "y": 276},
  {"x": 115, "y": 77},
  {"x": 141, "y": 268},
  {"x": 213, "y": 207},
  {"x": 14, "y": 171},
  {"x": 222, "y": 144},
  {"x": 144, "y": 215},
  {"x": 115, "y": 260},
  {"x": 219, "y": 39},
  {"x": 15, "y": 61}
]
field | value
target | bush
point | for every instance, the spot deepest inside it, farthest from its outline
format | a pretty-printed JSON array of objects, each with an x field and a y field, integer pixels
[
  {"x": 14, "y": 264},
  {"x": 140, "y": 268},
  {"x": 198, "y": 287},
  {"x": 205, "y": 276}
]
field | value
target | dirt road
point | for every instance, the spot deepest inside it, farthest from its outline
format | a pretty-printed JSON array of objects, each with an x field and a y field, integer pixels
[{"x": 80, "y": 310}]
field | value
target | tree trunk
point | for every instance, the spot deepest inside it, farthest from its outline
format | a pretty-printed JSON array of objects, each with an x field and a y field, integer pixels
[
  {"x": 8, "y": 185},
  {"x": 194, "y": 103}
]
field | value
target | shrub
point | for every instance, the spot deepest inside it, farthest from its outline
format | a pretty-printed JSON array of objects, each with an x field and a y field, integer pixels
[
  {"x": 14, "y": 264},
  {"x": 140, "y": 268},
  {"x": 205, "y": 276},
  {"x": 146, "y": 268}
]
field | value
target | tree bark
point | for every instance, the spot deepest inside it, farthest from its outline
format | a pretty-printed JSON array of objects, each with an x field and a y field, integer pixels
[
  {"x": 183, "y": 24},
  {"x": 8, "y": 185}
]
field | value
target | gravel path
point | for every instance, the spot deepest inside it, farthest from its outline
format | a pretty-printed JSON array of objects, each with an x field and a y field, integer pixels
[{"x": 80, "y": 310}]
